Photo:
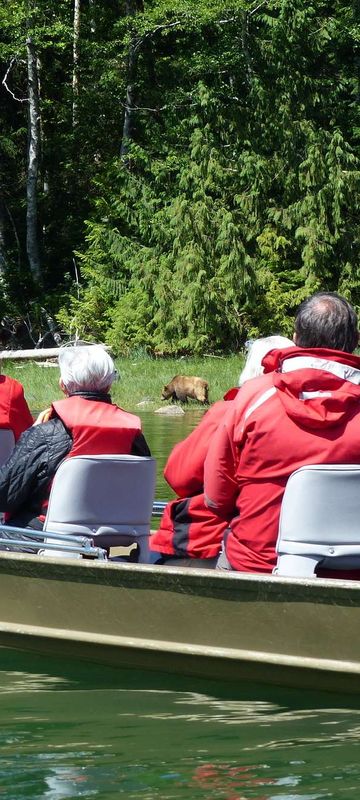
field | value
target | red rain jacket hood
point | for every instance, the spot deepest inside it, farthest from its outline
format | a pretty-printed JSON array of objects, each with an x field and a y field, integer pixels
[{"x": 317, "y": 387}]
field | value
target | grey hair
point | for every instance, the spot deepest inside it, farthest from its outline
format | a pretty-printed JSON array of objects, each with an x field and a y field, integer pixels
[
  {"x": 86, "y": 368},
  {"x": 260, "y": 348},
  {"x": 327, "y": 320}
]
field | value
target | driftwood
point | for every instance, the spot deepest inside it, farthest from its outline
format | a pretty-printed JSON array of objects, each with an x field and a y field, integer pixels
[
  {"x": 16, "y": 355},
  {"x": 43, "y": 353}
]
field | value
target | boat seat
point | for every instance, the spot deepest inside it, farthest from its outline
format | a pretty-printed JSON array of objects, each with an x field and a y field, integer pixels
[
  {"x": 106, "y": 497},
  {"x": 320, "y": 520}
]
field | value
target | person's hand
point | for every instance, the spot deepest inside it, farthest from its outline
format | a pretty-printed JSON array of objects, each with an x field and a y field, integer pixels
[{"x": 44, "y": 416}]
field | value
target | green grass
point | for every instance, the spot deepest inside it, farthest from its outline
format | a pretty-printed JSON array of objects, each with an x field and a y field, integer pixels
[{"x": 139, "y": 378}]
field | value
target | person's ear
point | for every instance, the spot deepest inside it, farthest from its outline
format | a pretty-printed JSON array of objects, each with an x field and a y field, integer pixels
[
  {"x": 62, "y": 386},
  {"x": 295, "y": 338}
]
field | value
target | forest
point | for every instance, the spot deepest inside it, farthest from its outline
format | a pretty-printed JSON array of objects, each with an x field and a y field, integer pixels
[{"x": 175, "y": 175}]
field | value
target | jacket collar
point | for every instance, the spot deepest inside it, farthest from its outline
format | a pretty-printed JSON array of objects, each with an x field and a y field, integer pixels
[
  {"x": 343, "y": 365},
  {"x": 344, "y": 371},
  {"x": 99, "y": 396}
]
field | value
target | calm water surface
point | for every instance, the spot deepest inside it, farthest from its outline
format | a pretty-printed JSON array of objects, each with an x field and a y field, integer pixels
[
  {"x": 162, "y": 433},
  {"x": 71, "y": 730},
  {"x": 76, "y": 730}
]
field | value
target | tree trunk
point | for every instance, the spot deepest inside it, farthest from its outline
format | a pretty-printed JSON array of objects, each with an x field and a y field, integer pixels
[
  {"x": 32, "y": 246},
  {"x": 132, "y": 7},
  {"x": 92, "y": 17},
  {"x": 75, "y": 80},
  {"x": 130, "y": 98},
  {"x": 2, "y": 237}
]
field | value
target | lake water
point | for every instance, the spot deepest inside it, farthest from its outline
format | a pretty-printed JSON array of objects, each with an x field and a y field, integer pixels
[
  {"x": 161, "y": 433},
  {"x": 77, "y": 730},
  {"x": 74, "y": 730}
]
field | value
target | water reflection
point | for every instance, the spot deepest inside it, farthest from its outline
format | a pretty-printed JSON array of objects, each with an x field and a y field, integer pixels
[
  {"x": 162, "y": 433},
  {"x": 79, "y": 730}
]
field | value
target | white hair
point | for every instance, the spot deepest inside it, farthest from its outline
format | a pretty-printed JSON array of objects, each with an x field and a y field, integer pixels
[
  {"x": 260, "y": 348},
  {"x": 86, "y": 368}
]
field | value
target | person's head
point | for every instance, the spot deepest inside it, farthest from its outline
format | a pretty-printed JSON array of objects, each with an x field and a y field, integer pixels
[
  {"x": 326, "y": 320},
  {"x": 257, "y": 350},
  {"x": 86, "y": 368}
]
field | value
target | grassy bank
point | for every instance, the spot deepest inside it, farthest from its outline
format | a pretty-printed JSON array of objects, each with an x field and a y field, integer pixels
[{"x": 139, "y": 379}]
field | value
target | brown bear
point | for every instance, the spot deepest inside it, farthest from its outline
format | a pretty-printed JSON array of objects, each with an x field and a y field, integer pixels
[{"x": 183, "y": 386}]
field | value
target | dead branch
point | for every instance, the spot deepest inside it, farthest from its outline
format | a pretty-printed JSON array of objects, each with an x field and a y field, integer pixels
[{"x": 4, "y": 83}]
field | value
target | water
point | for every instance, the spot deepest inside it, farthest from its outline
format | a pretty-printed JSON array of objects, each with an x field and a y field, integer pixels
[
  {"x": 161, "y": 433},
  {"x": 76, "y": 730}
]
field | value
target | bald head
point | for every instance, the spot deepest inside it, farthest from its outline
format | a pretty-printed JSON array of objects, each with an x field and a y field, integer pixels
[{"x": 326, "y": 320}]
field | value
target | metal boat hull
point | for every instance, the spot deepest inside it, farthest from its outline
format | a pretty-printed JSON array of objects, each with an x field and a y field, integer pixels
[{"x": 291, "y": 632}]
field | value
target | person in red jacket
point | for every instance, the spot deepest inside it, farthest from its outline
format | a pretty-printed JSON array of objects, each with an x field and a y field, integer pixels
[
  {"x": 14, "y": 410},
  {"x": 305, "y": 410},
  {"x": 84, "y": 422},
  {"x": 190, "y": 534}
]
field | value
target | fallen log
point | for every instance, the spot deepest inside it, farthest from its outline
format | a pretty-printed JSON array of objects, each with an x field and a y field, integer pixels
[
  {"x": 16, "y": 355},
  {"x": 40, "y": 353}
]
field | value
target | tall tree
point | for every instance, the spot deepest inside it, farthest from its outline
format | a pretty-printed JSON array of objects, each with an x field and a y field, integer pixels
[
  {"x": 76, "y": 56},
  {"x": 132, "y": 8},
  {"x": 32, "y": 243}
]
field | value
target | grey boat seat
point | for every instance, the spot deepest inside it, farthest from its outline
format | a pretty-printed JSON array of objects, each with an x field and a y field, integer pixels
[
  {"x": 320, "y": 520},
  {"x": 106, "y": 497}
]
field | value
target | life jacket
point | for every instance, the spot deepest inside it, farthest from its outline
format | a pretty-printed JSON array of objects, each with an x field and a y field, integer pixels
[{"x": 96, "y": 428}]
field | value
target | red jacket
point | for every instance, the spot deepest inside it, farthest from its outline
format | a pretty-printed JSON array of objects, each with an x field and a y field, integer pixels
[
  {"x": 188, "y": 528},
  {"x": 14, "y": 410},
  {"x": 306, "y": 412},
  {"x": 97, "y": 427}
]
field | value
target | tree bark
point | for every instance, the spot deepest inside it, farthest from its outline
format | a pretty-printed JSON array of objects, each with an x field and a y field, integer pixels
[
  {"x": 132, "y": 7},
  {"x": 2, "y": 236},
  {"x": 75, "y": 80},
  {"x": 92, "y": 17},
  {"x": 32, "y": 245}
]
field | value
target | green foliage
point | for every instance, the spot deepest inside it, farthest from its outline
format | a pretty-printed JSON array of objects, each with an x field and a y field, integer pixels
[{"x": 234, "y": 192}]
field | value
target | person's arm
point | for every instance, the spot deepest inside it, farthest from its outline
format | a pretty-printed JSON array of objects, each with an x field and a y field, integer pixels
[
  {"x": 17, "y": 475},
  {"x": 221, "y": 466},
  {"x": 220, "y": 484},
  {"x": 20, "y": 417},
  {"x": 184, "y": 470},
  {"x": 33, "y": 463}
]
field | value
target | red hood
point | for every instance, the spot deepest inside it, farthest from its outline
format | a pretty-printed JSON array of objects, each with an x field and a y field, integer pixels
[{"x": 317, "y": 387}]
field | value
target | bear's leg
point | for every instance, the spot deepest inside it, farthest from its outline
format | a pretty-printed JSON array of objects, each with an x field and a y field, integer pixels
[{"x": 181, "y": 397}]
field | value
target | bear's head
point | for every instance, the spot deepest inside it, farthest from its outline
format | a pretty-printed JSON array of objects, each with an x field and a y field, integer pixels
[{"x": 167, "y": 392}]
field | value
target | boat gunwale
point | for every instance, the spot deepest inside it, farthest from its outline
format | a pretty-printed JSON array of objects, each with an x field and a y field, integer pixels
[{"x": 320, "y": 590}]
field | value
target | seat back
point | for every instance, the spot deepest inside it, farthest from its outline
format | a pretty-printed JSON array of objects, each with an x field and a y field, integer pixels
[
  {"x": 108, "y": 498},
  {"x": 7, "y": 444},
  {"x": 320, "y": 520}
]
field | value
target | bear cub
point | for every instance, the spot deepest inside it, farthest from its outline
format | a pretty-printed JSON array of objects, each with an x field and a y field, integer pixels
[{"x": 183, "y": 386}]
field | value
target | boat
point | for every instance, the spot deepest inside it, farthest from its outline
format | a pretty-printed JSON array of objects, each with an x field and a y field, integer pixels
[{"x": 292, "y": 632}]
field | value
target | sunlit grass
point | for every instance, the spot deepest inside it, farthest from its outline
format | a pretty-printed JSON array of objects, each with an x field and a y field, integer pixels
[{"x": 139, "y": 378}]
